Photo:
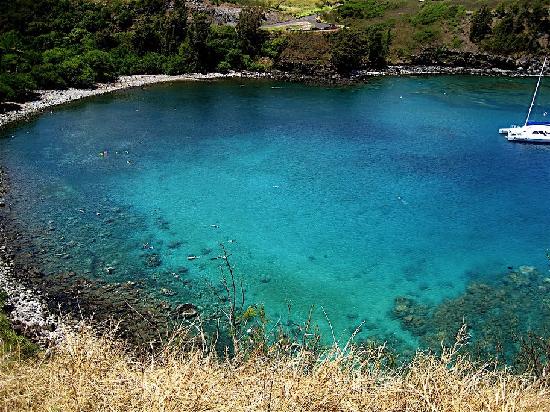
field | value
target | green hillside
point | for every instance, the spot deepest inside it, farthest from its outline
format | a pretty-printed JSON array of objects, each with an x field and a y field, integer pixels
[{"x": 76, "y": 43}]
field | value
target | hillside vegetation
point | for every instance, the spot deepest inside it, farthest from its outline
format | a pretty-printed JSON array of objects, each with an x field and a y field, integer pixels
[{"x": 54, "y": 44}]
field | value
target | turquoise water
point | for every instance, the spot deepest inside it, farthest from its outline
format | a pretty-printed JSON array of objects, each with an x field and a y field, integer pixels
[{"x": 342, "y": 198}]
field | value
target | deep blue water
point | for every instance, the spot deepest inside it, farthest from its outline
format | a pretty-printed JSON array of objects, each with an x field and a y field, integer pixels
[{"x": 344, "y": 198}]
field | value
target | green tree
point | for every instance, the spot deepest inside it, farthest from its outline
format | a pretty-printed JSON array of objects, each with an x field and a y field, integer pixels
[
  {"x": 174, "y": 27},
  {"x": 152, "y": 63},
  {"x": 348, "y": 50},
  {"x": 76, "y": 72},
  {"x": 102, "y": 65},
  {"x": 378, "y": 47},
  {"x": 57, "y": 55},
  {"x": 198, "y": 38},
  {"x": 223, "y": 44},
  {"x": 146, "y": 35},
  {"x": 48, "y": 76},
  {"x": 248, "y": 30},
  {"x": 510, "y": 35},
  {"x": 14, "y": 57},
  {"x": 481, "y": 25},
  {"x": 16, "y": 87},
  {"x": 538, "y": 19}
]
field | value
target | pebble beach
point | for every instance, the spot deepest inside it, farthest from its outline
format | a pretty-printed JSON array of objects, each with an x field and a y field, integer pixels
[{"x": 26, "y": 308}]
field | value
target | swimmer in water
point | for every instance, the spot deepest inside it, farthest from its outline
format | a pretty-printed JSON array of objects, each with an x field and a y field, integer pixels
[{"x": 402, "y": 200}]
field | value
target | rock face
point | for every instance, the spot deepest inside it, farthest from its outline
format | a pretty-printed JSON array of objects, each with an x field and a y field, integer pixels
[
  {"x": 187, "y": 310},
  {"x": 227, "y": 13},
  {"x": 453, "y": 58},
  {"x": 476, "y": 61}
]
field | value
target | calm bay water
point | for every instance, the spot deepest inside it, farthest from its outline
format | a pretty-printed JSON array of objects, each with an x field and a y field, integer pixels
[{"x": 342, "y": 198}]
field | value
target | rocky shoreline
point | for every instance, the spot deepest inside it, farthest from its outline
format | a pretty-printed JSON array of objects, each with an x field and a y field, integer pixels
[
  {"x": 51, "y": 98},
  {"x": 44, "y": 306},
  {"x": 403, "y": 70},
  {"x": 25, "y": 307}
]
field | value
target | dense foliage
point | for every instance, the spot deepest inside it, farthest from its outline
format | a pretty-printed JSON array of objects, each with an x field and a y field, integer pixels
[
  {"x": 510, "y": 27},
  {"x": 516, "y": 27},
  {"x": 77, "y": 43},
  {"x": 352, "y": 48}
]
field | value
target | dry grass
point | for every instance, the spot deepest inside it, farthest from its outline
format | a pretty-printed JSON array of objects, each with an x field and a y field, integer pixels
[{"x": 89, "y": 373}]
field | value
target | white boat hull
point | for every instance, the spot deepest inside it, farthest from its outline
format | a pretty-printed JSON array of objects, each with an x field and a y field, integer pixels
[
  {"x": 534, "y": 133},
  {"x": 531, "y": 132}
]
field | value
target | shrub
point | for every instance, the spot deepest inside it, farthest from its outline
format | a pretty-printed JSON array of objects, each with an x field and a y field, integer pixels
[
  {"x": 48, "y": 76},
  {"x": 431, "y": 13},
  {"x": 176, "y": 64},
  {"x": 426, "y": 35},
  {"x": 151, "y": 63},
  {"x": 16, "y": 86},
  {"x": 348, "y": 50},
  {"x": 76, "y": 72},
  {"x": 482, "y": 21},
  {"x": 222, "y": 40},
  {"x": 57, "y": 55},
  {"x": 362, "y": 9},
  {"x": 223, "y": 67},
  {"x": 12, "y": 344},
  {"x": 6, "y": 92},
  {"x": 274, "y": 46},
  {"x": 509, "y": 36},
  {"x": 102, "y": 64}
]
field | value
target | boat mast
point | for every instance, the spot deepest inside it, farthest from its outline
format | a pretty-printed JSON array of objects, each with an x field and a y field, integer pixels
[{"x": 535, "y": 94}]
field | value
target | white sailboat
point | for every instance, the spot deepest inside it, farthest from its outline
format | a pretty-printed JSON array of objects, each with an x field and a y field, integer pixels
[{"x": 530, "y": 132}]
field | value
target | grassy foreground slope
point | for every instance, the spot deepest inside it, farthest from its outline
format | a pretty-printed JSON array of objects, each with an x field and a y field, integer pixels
[{"x": 88, "y": 373}]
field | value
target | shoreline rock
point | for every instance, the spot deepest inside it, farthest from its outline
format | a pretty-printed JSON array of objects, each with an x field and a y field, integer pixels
[
  {"x": 52, "y": 98},
  {"x": 27, "y": 312},
  {"x": 44, "y": 306},
  {"x": 26, "y": 309}
]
